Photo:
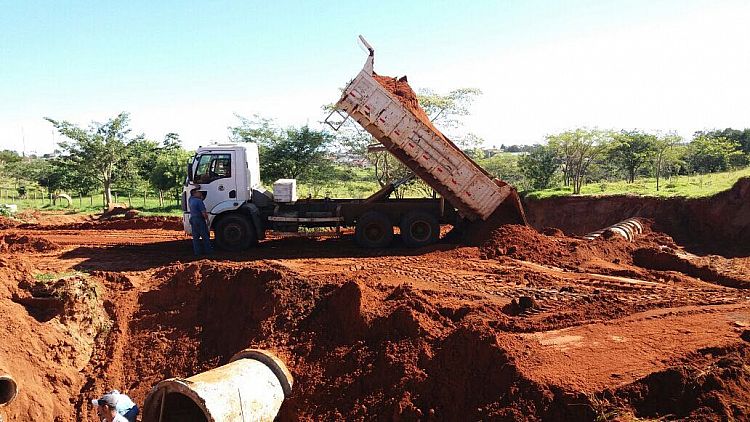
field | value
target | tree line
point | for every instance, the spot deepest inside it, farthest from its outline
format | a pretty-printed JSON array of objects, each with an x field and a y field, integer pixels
[
  {"x": 101, "y": 157},
  {"x": 107, "y": 156},
  {"x": 575, "y": 157}
]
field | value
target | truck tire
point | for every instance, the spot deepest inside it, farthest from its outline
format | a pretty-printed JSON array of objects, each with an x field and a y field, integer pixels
[
  {"x": 235, "y": 232},
  {"x": 373, "y": 230},
  {"x": 419, "y": 229}
]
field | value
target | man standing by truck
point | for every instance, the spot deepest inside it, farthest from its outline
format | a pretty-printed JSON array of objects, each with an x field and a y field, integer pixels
[{"x": 199, "y": 223}]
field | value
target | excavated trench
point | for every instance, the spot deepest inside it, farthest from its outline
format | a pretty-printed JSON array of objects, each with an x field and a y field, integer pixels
[
  {"x": 361, "y": 350},
  {"x": 717, "y": 224}
]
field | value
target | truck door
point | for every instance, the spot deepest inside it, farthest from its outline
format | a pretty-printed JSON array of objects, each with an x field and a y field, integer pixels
[{"x": 215, "y": 173}]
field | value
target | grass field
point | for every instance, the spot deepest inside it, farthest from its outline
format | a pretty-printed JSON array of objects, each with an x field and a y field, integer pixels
[
  {"x": 93, "y": 205},
  {"x": 683, "y": 186},
  {"x": 361, "y": 185}
]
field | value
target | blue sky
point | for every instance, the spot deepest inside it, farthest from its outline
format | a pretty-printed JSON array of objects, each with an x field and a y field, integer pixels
[{"x": 544, "y": 66}]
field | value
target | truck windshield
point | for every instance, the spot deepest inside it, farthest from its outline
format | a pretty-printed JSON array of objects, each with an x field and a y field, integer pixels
[{"x": 212, "y": 167}]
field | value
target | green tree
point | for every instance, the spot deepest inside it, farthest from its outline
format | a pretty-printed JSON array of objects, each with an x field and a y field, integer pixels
[
  {"x": 505, "y": 166},
  {"x": 98, "y": 151},
  {"x": 7, "y": 156},
  {"x": 742, "y": 137},
  {"x": 294, "y": 153},
  {"x": 168, "y": 173},
  {"x": 663, "y": 145},
  {"x": 539, "y": 166},
  {"x": 630, "y": 150},
  {"x": 446, "y": 110},
  {"x": 578, "y": 149},
  {"x": 712, "y": 154},
  {"x": 161, "y": 165}
]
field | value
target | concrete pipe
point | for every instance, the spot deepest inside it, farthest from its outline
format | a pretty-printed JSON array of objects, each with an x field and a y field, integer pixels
[
  {"x": 8, "y": 389},
  {"x": 627, "y": 229},
  {"x": 251, "y": 387}
]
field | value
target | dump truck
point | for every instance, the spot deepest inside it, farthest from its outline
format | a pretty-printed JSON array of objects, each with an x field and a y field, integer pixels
[{"x": 241, "y": 211}]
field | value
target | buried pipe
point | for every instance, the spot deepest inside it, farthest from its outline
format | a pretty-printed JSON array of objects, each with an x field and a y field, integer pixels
[
  {"x": 251, "y": 387},
  {"x": 627, "y": 229},
  {"x": 8, "y": 389}
]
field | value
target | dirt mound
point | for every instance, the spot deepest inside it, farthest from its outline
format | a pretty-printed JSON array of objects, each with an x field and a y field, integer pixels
[
  {"x": 8, "y": 223},
  {"x": 508, "y": 212},
  {"x": 712, "y": 268},
  {"x": 355, "y": 351},
  {"x": 527, "y": 244},
  {"x": 49, "y": 331},
  {"x": 712, "y": 387},
  {"x": 23, "y": 243}
]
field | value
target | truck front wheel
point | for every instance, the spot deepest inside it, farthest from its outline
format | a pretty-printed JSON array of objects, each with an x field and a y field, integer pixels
[
  {"x": 234, "y": 233},
  {"x": 373, "y": 230},
  {"x": 419, "y": 229}
]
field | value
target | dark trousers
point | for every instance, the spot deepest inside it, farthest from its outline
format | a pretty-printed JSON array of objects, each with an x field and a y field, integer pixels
[
  {"x": 131, "y": 414},
  {"x": 201, "y": 237}
]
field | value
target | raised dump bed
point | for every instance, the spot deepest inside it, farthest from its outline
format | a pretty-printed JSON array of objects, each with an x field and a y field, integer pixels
[{"x": 403, "y": 128}]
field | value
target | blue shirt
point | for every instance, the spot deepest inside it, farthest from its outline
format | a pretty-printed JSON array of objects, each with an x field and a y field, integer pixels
[{"x": 196, "y": 207}]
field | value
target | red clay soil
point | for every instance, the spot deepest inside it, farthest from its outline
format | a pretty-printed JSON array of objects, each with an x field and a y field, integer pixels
[
  {"x": 6, "y": 223},
  {"x": 400, "y": 88},
  {"x": 526, "y": 327},
  {"x": 115, "y": 223},
  {"x": 526, "y": 244},
  {"x": 22, "y": 243}
]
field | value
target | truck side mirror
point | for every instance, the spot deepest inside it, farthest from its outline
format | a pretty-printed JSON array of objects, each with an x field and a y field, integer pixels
[{"x": 190, "y": 170}]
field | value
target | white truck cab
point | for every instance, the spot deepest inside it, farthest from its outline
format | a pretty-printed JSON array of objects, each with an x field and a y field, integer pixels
[{"x": 227, "y": 174}]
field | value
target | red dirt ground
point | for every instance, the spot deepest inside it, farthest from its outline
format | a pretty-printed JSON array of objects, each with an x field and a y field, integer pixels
[{"x": 526, "y": 326}]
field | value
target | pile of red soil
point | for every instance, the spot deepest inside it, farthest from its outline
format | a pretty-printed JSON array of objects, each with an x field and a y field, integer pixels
[
  {"x": 7, "y": 223},
  {"x": 712, "y": 268},
  {"x": 713, "y": 386},
  {"x": 479, "y": 232},
  {"x": 400, "y": 88},
  {"x": 355, "y": 351},
  {"x": 527, "y": 244},
  {"x": 22, "y": 243}
]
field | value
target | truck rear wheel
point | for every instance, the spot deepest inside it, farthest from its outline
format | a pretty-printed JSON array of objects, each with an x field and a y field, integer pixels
[
  {"x": 234, "y": 233},
  {"x": 419, "y": 229},
  {"x": 373, "y": 230}
]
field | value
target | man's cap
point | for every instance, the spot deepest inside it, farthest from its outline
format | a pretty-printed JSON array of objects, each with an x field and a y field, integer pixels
[
  {"x": 195, "y": 188},
  {"x": 107, "y": 399}
]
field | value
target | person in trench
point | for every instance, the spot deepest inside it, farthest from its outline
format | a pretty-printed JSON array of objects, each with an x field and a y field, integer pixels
[
  {"x": 199, "y": 223},
  {"x": 116, "y": 407}
]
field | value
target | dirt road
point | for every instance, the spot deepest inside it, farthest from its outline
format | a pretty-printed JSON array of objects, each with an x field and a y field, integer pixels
[{"x": 524, "y": 327}]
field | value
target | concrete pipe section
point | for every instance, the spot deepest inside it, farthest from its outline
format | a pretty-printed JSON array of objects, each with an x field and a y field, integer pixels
[
  {"x": 8, "y": 389},
  {"x": 627, "y": 229},
  {"x": 251, "y": 387}
]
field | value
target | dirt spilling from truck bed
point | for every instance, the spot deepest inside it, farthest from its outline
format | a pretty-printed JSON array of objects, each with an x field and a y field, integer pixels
[
  {"x": 528, "y": 325},
  {"x": 400, "y": 88}
]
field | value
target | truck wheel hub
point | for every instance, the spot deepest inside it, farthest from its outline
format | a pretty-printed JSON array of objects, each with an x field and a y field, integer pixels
[{"x": 420, "y": 230}]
